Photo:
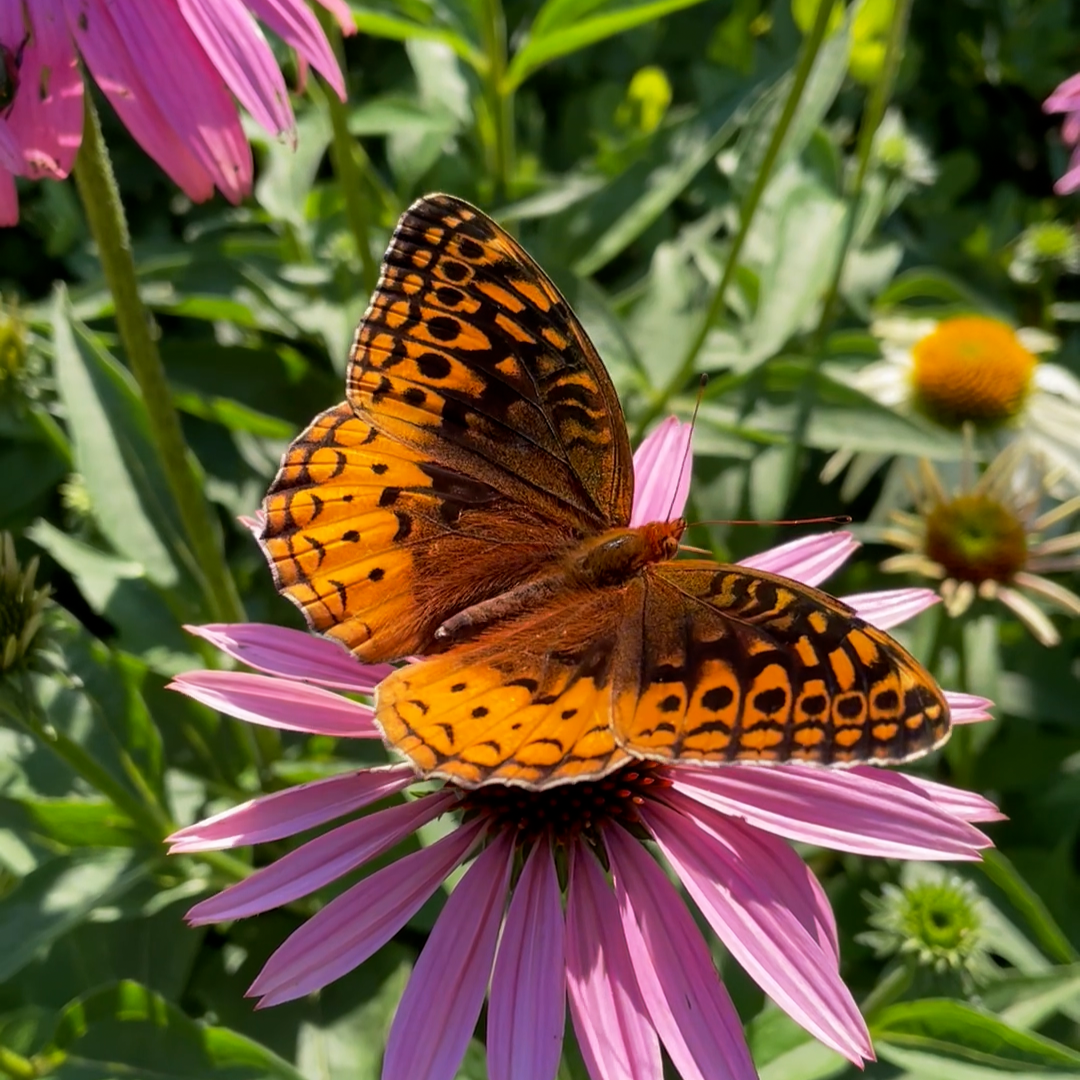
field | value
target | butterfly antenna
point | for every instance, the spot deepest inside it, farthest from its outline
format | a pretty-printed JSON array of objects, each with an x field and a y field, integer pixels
[
  {"x": 832, "y": 519},
  {"x": 686, "y": 458}
]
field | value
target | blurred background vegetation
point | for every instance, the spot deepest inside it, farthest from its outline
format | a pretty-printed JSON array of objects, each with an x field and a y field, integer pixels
[{"x": 629, "y": 144}]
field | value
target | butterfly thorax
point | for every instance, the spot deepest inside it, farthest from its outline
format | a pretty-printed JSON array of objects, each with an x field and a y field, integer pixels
[
  {"x": 616, "y": 556},
  {"x": 607, "y": 560}
]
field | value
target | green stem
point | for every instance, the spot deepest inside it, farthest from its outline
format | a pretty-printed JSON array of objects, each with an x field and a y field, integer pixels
[
  {"x": 500, "y": 100},
  {"x": 811, "y": 48},
  {"x": 346, "y": 167},
  {"x": 871, "y": 121},
  {"x": 105, "y": 216},
  {"x": 892, "y": 987},
  {"x": 145, "y": 812}
]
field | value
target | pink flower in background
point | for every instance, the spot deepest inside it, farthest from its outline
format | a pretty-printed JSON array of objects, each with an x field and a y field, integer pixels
[
  {"x": 1066, "y": 99},
  {"x": 167, "y": 68},
  {"x": 622, "y": 950}
]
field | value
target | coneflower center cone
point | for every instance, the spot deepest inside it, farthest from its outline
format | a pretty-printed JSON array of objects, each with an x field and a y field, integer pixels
[
  {"x": 971, "y": 369},
  {"x": 976, "y": 539}
]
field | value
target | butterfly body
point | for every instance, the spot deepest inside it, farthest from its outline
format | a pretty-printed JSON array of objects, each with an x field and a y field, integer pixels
[{"x": 470, "y": 503}]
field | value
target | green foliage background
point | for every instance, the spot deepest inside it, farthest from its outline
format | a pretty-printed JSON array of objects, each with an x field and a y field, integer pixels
[{"x": 624, "y": 141}]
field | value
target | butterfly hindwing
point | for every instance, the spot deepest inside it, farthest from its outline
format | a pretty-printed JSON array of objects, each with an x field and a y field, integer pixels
[
  {"x": 740, "y": 665},
  {"x": 529, "y": 704},
  {"x": 469, "y": 353}
]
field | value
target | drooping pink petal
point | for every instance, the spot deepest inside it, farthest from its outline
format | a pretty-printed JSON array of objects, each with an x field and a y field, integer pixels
[
  {"x": 687, "y": 1002},
  {"x": 235, "y": 46},
  {"x": 10, "y": 154},
  {"x": 279, "y": 703},
  {"x": 320, "y": 861},
  {"x": 47, "y": 114},
  {"x": 662, "y": 466},
  {"x": 841, "y": 809},
  {"x": 9, "y": 200},
  {"x": 968, "y": 708},
  {"x": 743, "y": 893},
  {"x": 527, "y": 1009},
  {"x": 616, "y": 1037},
  {"x": 344, "y": 17},
  {"x": 360, "y": 921},
  {"x": 1065, "y": 98},
  {"x": 292, "y": 811},
  {"x": 961, "y": 804},
  {"x": 887, "y": 608},
  {"x": 810, "y": 559},
  {"x": 442, "y": 1001},
  {"x": 159, "y": 80},
  {"x": 296, "y": 25},
  {"x": 293, "y": 654}
]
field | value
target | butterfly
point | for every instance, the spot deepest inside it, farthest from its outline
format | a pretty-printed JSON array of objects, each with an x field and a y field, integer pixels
[{"x": 469, "y": 505}]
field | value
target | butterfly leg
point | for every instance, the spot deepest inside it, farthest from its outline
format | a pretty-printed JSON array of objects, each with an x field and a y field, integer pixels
[{"x": 520, "y": 599}]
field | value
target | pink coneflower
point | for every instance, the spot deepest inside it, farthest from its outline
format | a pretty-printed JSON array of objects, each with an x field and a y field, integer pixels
[
  {"x": 619, "y": 944},
  {"x": 167, "y": 67},
  {"x": 1066, "y": 99}
]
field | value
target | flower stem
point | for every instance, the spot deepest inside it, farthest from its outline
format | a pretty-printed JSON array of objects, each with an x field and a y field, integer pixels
[
  {"x": 344, "y": 159},
  {"x": 811, "y": 48},
  {"x": 500, "y": 100},
  {"x": 105, "y": 216},
  {"x": 871, "y": 121}
]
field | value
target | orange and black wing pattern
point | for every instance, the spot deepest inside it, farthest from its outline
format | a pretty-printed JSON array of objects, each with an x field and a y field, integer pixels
[{"x": 739, "y": 665}]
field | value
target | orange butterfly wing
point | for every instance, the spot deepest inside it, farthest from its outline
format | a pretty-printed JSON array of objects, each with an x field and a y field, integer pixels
[
  {"x": 691, "y": 661},
  {"x": 482, "y": 438},
  {"x": 482, "y": 450}
]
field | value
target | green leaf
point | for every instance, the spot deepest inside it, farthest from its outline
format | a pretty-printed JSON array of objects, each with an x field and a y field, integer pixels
[
  {"x": 59, "y": 896},
  {"x": 969, "y": 1035},
  {"x": 116, "y": 454},
  {"x": 808, "y": 241},
  {"x": 389, "y": 24},
  {"x": 1028, "y": 1001},
  {"x": 68, "y": 822},
  {"x": 127, "y": 1029},
  {"x": 1028, "y": 903},
  {"x": 682, "y": 152},
  {"x": 565, "y": 26}
]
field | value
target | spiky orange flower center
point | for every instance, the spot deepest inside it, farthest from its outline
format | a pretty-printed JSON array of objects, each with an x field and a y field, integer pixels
[
  {"x": 976, "y": 539},
  {"x": 972, "y": 368},
  {"x": 568, "y": 811}
]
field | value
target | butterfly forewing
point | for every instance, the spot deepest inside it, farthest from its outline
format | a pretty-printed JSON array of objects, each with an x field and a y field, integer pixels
[{"x": 470, "y": 353}]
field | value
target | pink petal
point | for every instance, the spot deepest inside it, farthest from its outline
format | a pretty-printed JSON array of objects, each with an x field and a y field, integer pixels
[
  {"x": 236, "y": 48},
  {"x": 320, "y": 861},
  {"x": 961, "y": 804},
  {"x": 527, "y": 1010},
  {"x": 9, "y": 200},
  {"x": 441, "y": 1003},
  {"x": 164, "y": 88},
  {"x": 293, "y": 654},
  {"x": 292, "y": 811},
  {"x": 360, "y": 921},
  {"x": 887, "y": 608},
  {"x": 615, "y": 1035},
  {"x": 731, "y": 878},
  {"x": 341, "y": 12},
  {"x": 278, "y": 703},
  {"x": 662, "y": 466},
  {"x": 689, "y": 1006},
  {"x": 836, "y": 808},
  {"x": 809, "y": 560},
  {"x": 11, "y": 160},
  {"x": 968, "y": 708},
  {"x": 298, "y": 27},
  {"x": 1066, "y": 98},
  {"x": 46, "y": 118}
]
